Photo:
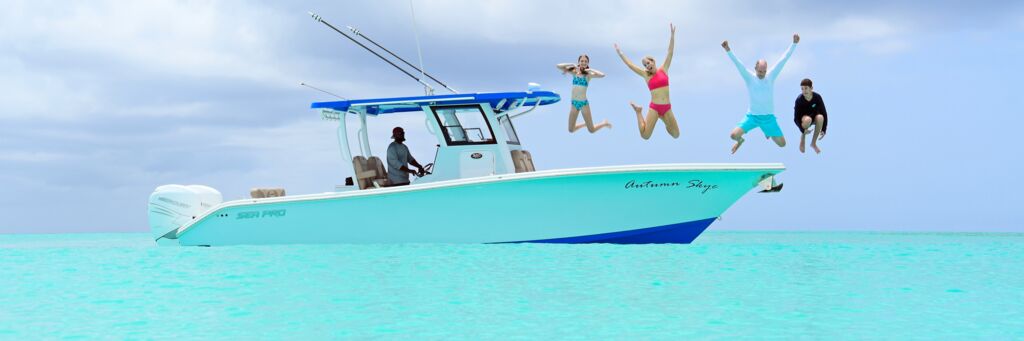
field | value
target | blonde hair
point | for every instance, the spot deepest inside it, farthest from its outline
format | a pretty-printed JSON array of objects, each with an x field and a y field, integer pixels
[{"x": 652, "y": 62}]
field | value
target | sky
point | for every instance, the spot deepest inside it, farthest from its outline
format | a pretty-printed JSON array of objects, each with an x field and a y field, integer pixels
[{"x": 103, "y": 101}]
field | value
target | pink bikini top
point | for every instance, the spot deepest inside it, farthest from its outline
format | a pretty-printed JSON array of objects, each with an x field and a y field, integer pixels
[{"x": 659, "y": 80}]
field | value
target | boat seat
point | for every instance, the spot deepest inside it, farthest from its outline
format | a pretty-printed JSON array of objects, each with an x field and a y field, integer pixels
[
  {"x": 517, "y": 161},
  {"x": 522, "y": 161},
  {"x": 364, "y": 173},
  {"x": 380, "y": 179},
  {"x": 257, "y": 193},
  {"x": 529, "y": 161}
]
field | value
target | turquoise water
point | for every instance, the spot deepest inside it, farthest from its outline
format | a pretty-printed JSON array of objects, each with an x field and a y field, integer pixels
[{"x": 726, "y": 285}]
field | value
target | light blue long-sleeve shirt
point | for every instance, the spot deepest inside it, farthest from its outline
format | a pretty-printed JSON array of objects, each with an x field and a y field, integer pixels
[
  {"x": 761, "y": 91},
  {"x": 398, "y": 157}
]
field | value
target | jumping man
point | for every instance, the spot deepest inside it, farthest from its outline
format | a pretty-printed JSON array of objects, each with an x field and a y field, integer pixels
[{"x": 761, "y": 113}]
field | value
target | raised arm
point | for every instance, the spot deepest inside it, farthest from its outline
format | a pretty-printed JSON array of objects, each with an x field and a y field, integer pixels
[
  {"x": 671, "y": 47},
  {"x": 774, "y": 72},
  {"x": 565, "y": 67},
  {"x": 736, "y": 61},
  {"x": 595, "y": 74},
  {"x": 639, "y": 71}
]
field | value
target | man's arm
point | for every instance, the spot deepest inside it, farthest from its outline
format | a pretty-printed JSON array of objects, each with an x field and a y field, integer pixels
[
  {"x": 413, "y": 162},
  {"x": 824, "y": 115},
  {"x": 736, "y": 61},
  {"x": 796, "y": 115},
  {"x": 774, "y": 72}
]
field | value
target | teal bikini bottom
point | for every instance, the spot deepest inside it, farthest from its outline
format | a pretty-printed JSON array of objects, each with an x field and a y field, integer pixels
[{"x": 578, "y": 104}]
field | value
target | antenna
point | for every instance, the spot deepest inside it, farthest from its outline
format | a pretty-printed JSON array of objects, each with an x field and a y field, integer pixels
[
  {"x": 322, "y": 21},
  {"x": 322, "y": 90}
]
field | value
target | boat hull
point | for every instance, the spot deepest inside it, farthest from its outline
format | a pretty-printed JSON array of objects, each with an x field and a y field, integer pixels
[{"x": 628, "y": 205}]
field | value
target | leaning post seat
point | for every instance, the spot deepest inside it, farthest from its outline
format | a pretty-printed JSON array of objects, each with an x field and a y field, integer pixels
[
  {"x": 522, "y": 161},
  {"x": 529, "y": 161},
  {"x": 517, "y": 161},
  {"x": 363, "y": 173},
  {"x": 380, "y": 179},
  {"x": 258, "y": 193}
]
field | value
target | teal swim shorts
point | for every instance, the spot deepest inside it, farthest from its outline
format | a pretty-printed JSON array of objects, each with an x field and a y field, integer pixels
[{"x": 769, "y": 126}]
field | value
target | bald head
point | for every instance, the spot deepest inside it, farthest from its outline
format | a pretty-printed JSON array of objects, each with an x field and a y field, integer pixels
[{"x": 761, "y": 68}]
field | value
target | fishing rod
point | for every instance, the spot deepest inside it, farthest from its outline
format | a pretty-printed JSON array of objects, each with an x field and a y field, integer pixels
[
  {"x": 361, "y": 35},
  {"x": 322, "y": 90},
  {"x": 322, "y": 21}
]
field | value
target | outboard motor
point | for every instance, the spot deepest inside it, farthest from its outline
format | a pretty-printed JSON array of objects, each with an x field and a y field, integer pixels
[{"x": 172, "y": 206}]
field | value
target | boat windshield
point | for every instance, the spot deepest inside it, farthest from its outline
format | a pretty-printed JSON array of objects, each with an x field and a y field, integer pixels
[{"x": 464, "y": 125}]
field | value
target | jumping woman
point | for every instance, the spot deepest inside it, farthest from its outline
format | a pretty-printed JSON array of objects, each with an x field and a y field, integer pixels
[
  {"x": 581, "y": 76},
  {"x": 657, "y": 82}
]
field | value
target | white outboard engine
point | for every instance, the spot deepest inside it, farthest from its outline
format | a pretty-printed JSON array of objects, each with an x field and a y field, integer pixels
[{"x": 171, "y": 206}]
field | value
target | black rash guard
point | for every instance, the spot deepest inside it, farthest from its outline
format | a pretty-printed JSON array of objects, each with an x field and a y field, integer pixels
[{"x": 810, "y": 108}]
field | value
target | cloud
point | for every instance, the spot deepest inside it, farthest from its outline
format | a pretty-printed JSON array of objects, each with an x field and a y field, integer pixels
[
  {"x": 637, "y": 23},
  {"x": 197, "y": 38},
  {"x": 25, "y": 93},
  {"x": 19, "y": 156},
  {"x": 860, "y": 29},
  {"x": 874, "y": 34}
]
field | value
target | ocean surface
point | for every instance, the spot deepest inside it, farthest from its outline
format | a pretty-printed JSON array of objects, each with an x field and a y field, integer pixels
[{"x": 727, "y": 285}]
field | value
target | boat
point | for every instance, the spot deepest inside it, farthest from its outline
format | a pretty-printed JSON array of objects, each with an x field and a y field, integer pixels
[{"x": 482, "y": 187}]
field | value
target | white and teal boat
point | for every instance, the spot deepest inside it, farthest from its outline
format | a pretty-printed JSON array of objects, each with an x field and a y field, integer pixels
[{"x": 483, "y": 189}]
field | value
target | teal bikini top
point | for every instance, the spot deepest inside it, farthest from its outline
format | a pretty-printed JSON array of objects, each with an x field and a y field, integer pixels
[{"x": 579, "y": 80}]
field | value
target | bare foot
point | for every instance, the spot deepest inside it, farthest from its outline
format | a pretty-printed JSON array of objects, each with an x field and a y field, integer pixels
[
  {"x": 802, "y": 145},
  {"x": 606, "y": 123},
  {"x": 636, "y": 108},
  {"x": 816, "y": 149},
  {"x": 737, "y": 145}
]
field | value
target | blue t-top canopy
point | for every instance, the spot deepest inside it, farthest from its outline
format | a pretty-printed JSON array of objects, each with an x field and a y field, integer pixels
[{"x": 500, "y": 101}]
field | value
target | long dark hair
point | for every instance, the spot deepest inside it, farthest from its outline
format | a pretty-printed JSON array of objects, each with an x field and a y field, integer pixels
[{"x": 576, "y": 69}]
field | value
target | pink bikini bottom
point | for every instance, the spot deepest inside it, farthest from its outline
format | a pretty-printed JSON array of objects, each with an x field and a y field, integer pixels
[{"x": 661, "y": 108}]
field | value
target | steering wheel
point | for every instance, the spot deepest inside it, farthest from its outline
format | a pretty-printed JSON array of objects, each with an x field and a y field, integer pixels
[{"x": 426, "y": 170}]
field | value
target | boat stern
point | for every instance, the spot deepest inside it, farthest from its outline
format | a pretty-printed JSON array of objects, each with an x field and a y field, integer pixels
[{"x": 173, "y": 206}]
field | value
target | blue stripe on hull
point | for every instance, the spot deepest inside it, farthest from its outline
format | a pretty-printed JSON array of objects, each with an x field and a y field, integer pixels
[{"x": 681, "y": 233}]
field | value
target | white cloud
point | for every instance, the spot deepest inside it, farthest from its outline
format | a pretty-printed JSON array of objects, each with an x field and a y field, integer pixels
[
  {"x": 874, "y": 34},
  {"x": 58, "y": 58},
  {"x": 25, "y": 93},
  {"x": 638, "y": 26},
  {"x": 192, "y": 38},
  {"x": 861, "y": 29},
  {"x": 885, "y": 47},
  {"x": 22, "y": 156},
  {"x": 630, "y": 23}
]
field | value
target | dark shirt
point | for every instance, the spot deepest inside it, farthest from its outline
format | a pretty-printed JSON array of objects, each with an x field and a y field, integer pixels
[{"x": 810, "y": 108}]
